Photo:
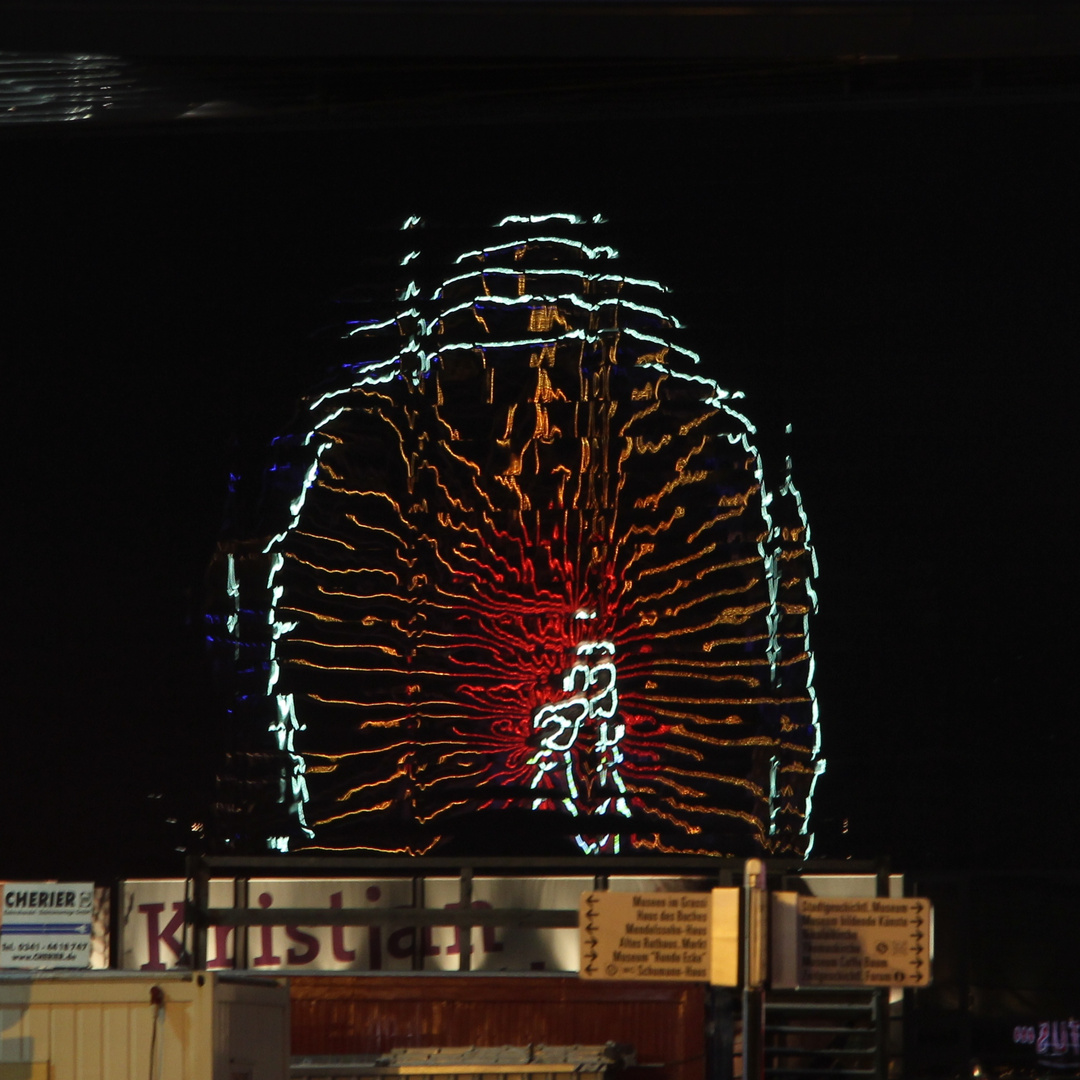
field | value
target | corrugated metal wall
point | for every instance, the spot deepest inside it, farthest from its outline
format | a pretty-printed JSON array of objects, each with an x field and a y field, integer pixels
[
  {"x": 97, "y": 1030},
  {"x": 251, "y": 1031},
  {"x": 664, "y": 1022},
  {"x": 109, "y": 1029}
]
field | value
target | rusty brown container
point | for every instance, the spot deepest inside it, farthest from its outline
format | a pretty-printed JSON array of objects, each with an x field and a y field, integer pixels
[{"x": 664, "y": 1022}]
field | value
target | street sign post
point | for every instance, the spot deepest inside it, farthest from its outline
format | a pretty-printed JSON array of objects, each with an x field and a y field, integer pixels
[
  {"x": 814, "y": 941},
  {"x": 657, "y": 935},
  {"x": 864, "y": 942}
]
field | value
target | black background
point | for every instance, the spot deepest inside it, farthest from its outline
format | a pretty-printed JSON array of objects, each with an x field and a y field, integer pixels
[{"x": 896, "y": 276}]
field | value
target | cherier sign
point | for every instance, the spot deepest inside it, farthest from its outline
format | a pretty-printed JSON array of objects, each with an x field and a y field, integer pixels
[{"x": 46, "y": 925}]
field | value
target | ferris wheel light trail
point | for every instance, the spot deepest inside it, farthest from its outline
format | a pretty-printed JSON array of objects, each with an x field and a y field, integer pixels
[{"x": 526, "y": 563}]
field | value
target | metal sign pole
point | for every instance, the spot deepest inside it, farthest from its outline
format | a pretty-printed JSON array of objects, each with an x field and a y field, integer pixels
[
  {"x": 755, "y": 899},
  {"x": 720, "y": 1033}
]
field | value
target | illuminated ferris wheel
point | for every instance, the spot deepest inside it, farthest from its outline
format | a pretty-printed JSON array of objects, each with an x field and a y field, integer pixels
[{"x": 530, "y": 585}]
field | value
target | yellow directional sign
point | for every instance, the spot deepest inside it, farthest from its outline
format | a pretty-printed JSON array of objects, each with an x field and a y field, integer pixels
[
  {"x": 659, "y": 935},
  {"x": 864, "y": 942}
]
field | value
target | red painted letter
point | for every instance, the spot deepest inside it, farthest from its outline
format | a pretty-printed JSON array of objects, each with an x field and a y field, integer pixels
[{"x": 155, "y": 936}]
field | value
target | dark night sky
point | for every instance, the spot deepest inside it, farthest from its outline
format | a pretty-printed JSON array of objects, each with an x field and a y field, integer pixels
[{"x": 899, "y": 282}]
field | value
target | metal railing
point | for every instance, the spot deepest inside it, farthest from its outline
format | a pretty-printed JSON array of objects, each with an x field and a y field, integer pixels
[
  {"x": 594, "y": 872},
  {"x": 812, "y": 1033}
]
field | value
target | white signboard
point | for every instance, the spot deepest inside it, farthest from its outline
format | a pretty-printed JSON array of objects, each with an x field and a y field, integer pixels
[
  {"x": 46, "y": 925},
  {"x": 154, "y": 932},
  {"x": 658, "y": 935},
  {"x": 864, "y": 942}
]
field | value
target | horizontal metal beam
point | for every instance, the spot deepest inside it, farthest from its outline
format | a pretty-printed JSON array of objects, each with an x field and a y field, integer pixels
[
  {"x": 820, "y": 1072},
  {"x": 819, "y": 1006},
  {"x": 323, "y": 865},
  {"x": 820, "y": 1052},
  {"x": 584, "y": 866},
  {"x": 807, "y": 1029},
  {"x": 515, "y": 917}
]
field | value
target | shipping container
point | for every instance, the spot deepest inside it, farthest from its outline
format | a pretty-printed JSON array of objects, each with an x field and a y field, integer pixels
[
  {"x": 125, "y": 1026},
  {"x": 663, "y": 1022}
]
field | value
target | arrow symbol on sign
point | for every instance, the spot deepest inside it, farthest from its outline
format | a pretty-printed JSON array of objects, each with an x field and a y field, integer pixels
[
  {"x": 593, "y": 941},
  {"x": 917, "y": 935},
  {"x": 918, "y": 908},
  {"x": 592, "y": 929},
  {"x": 590, "y": 969},
  {"x": 590, "y": 900},
  {"x": 916, "y": 921},
  {"x": 917, "y": 962},
  {"x": 917, "y": 976}
]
